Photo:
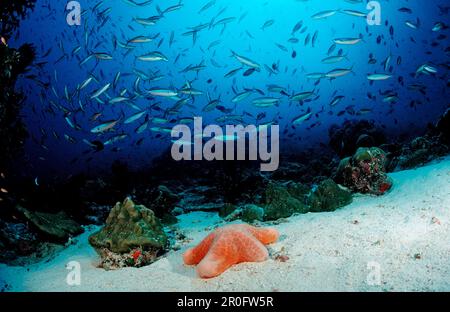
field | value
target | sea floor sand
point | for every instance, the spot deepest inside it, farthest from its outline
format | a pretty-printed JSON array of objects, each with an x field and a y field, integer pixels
[{"x": 397, "y": 242}]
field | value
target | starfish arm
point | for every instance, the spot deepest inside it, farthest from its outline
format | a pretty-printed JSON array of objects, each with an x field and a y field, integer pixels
[
  {"x": 221, "y": 256},
  {"x": 195, "y": 255},
  {"x": 251, "y": 249},
  {"x": 265, "y": 236}
]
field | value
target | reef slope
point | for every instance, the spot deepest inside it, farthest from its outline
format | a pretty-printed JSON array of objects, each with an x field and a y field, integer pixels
[{"x": 406, "y": 232}]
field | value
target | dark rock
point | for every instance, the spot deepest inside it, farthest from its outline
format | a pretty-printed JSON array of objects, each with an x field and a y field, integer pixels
[
  {"x": 97, "y": 214},
  {"x": 299, "y": 191},
  {"x": 443, "y": 126},
  {"x": 177, "y": 211},
  {"x": 16, "y": 240},
  {"x": 130, "y": 226},
  {"x": 279, "y": 203},
  {"x": 289, "y": 171},
  {"x": 247, "y": 213},
  {"x": 200, "y": 198},
  {"x": 163, "y": 201},
  {"x": 365, "y": 140},
  {"x": 306, "y": 167},
  {"x": 226, "y": 210},
  {"x": 420, "y": 151},
  {"x": 328, "y": 196},
  {"x": 414, "y": 159},
  {"x": 56, "y": 226},
  {"x": 251, "y": 213},
  {"x": 168, "y": 219}
]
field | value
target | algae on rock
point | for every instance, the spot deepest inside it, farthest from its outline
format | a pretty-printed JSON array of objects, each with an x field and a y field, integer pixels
[
  {"x": 328, "y": 197},
  {"x": 281, "y": 204},
  {"x": 247, "y": 213},
  {"x": 251, "y": 213}
]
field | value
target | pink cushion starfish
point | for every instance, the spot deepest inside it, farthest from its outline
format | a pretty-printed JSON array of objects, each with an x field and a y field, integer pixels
[{"x": 230, "y": 245}]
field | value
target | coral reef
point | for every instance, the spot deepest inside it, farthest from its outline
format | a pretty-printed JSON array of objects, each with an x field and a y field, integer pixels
[
  {"x": 247, "y": 213},
  {"x": 279, "y": 203},
  {"x": 421, "y": 150},
  {"x": 251, "y": 213},
  {"x": 127, "y": 228},
  {"x": 228, "y": 246},
  {"x": 135, "y": 258},
  {"x": 328, "y": 196},
  {"x": 418, "y": 152},
  {"x": 365, "y": 172},
  {"x": 283, "y": 200}
]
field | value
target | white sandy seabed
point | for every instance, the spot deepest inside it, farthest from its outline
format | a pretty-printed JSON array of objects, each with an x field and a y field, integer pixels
[{"x": 396, "y": 242}]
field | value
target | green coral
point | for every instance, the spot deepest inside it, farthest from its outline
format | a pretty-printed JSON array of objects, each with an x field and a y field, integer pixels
[
  {"x": 328, "y": 197},
  {"x": 252, "y": 213},
  {"x": 281, "y": 204},
  {"x": 247, "y": 213},
  {"x": 299, "y": 191},
  {"x": 130, "y": 226}
]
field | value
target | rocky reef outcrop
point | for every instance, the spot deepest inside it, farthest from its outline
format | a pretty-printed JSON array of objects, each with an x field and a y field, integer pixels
[
  {"x": 345, "y": 139},
  {"x": 130, "y": 229},
  {"x": 248, "y": 213},
  {"x": 16, "y": 239},
  {"x": 420, "y": 151},
  {"x": 282, "y": 200},
  {"x": 161, "y": 200},
  {"x": 32, "y": 236},
  {"x": 423, "y": 149},
  {"x": 328, "y": 196},
  {"x": 443, "y": 128},
  {"x": 279, "y": 203},
  {"x": 57, "y": 226},
  {"x": 365, "y": 172}
]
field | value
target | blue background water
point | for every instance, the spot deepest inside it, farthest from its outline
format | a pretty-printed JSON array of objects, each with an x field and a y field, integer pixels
[{"x": 46, "y": 27}]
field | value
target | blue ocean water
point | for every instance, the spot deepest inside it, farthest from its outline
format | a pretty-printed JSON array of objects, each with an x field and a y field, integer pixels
[{"x": 60, "y": 118}]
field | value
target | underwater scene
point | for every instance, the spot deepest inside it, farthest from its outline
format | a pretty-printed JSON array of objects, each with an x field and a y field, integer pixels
[{"x": 213, "y": 145}]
